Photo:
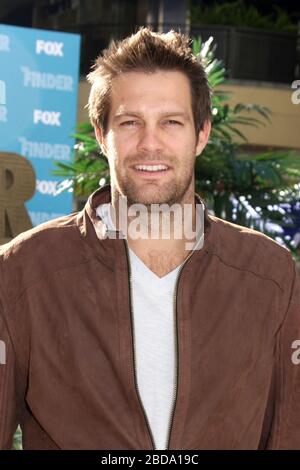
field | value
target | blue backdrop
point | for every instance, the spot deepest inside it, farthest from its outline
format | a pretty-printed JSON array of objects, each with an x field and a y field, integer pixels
[{"x": 38, "y": 102}]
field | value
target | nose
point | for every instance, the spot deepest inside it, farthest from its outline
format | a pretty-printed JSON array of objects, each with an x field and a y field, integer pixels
[{"x": 150, "y": 139}]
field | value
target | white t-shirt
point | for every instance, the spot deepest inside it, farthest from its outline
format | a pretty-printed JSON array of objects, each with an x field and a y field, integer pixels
[{"x": 154, "y": 332}]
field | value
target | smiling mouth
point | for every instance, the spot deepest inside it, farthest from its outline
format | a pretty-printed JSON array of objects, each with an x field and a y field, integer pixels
[{"x": 151, "y": 170}]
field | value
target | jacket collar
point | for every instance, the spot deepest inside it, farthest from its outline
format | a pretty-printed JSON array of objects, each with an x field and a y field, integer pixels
[{"x": 93, "y": 230}]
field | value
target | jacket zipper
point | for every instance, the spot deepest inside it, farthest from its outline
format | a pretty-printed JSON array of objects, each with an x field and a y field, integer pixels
[
  {"x": 133, "y": 342},
  {"x": 176, "y": 348}
]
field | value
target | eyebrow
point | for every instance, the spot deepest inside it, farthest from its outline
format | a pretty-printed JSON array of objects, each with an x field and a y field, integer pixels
[{"x": 137, "y": 114}]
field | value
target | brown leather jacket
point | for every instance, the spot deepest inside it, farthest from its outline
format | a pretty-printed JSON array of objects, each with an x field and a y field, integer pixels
[{"x": 65, "y": 318}]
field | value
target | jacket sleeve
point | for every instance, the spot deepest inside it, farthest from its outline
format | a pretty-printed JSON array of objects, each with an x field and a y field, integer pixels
[
  {"x": 9, "y": 403},
  {"x": 284, "y": 432}
]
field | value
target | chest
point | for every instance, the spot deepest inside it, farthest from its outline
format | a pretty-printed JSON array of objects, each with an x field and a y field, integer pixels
[{"x": 161, "y": 263}]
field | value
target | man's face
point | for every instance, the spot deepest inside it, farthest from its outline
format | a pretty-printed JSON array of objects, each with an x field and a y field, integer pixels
[{"x": 150, "y": 143}]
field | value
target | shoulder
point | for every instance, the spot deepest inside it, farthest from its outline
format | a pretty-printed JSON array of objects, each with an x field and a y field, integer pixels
[
  {"x": 37, "y": 252},
  {"x": 249, "y": 250},
  {"x": 53, "y": 230}
]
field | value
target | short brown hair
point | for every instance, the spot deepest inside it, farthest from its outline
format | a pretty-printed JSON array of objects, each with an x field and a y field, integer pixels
[{"x": 148, "y": 51}]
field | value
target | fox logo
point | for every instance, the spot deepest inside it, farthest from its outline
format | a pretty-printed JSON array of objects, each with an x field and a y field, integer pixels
[
  {"x": 2, "y": 93},
  {"x": 3, "y": 108},
  {"x": 48, "y": 118},
  {"x": 49, "y": 48}
]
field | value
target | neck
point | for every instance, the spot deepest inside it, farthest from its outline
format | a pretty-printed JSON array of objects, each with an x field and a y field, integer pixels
[{"x": 155, "y": 232}]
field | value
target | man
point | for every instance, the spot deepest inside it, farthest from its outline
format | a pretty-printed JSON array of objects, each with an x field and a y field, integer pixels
[{"x": 115, "y": 341}]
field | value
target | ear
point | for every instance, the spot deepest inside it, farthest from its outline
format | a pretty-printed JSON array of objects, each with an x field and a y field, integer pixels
[
  {"x": 100, "y": 139},
  {"x": 203, "y": 137}
]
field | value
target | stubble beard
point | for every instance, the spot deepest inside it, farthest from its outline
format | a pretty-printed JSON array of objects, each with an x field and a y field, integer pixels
[
  {"x": 163, "y": 196},
  {"x": 172, "y": 192}
]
